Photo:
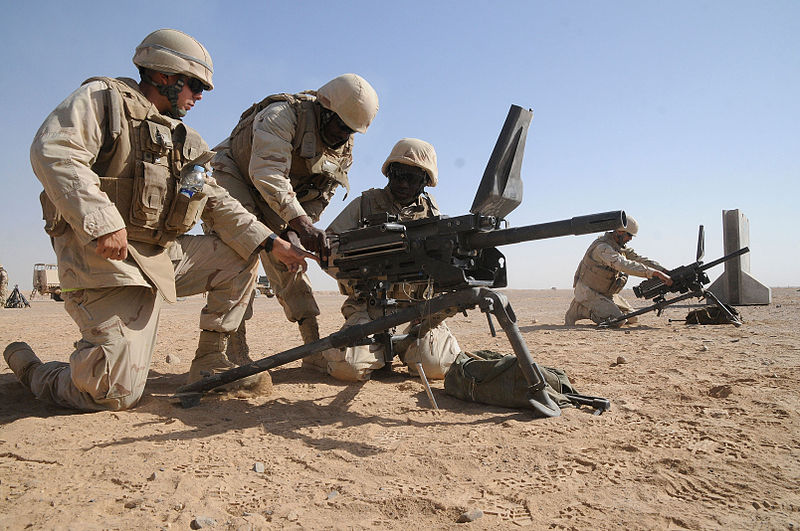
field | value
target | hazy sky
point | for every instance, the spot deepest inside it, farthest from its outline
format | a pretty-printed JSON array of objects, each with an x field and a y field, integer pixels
[{"x": 671, "y": 111}]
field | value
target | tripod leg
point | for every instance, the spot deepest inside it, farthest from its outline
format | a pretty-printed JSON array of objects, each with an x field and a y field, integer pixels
[
  {"x": 539, "y": 399},
  {"x": 722, "y": 306},
  {"x": 428, "y": 389}
]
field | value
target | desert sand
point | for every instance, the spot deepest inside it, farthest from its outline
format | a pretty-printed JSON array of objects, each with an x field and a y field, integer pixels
[{"x": 703, "y": 433}]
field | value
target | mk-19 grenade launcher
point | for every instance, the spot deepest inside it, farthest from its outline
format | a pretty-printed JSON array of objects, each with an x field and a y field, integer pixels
[{"x": 456, "y": 256}]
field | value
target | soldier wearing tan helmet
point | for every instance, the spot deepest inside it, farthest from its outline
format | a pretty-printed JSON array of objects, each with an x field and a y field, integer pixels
[
  {"x": 3, "y": 286},
  {"x": 410, "y": 167},
  {"x": 124, "y": 180},
  {"x": 284, "y": 161},
  {"x": 602, "y": 274}
]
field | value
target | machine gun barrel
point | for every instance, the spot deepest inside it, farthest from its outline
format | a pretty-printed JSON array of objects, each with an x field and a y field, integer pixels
[
  {"x": 725, "y": 258},
  {"x": 684, "y": 278},
  {"x": 575, "y": 226}
]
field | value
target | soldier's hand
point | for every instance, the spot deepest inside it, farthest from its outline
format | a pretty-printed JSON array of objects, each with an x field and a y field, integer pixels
[
  {"x": 292, "y": 256},
  {"x": 663, "y": 277},
  {"x": 114, "y": 245},
  {"x": 311, "y": 237}
]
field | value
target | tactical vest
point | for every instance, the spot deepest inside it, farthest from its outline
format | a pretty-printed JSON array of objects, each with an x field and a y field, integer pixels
[
  {"x": 139, "y": 166},
  {"x": 377, "y": 200},
  {"x": 316, "y": 169},
  {"x": 598, "y": 276}
]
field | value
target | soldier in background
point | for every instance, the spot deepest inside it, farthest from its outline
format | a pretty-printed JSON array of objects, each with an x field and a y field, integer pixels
[
  {"x": 410, "y": 167},
  {"x": 283, "y": 161},
  {"x": 113, "y": 160},
  {"x": 603, "y": 273},
  {"x": 3, "y": 286}
]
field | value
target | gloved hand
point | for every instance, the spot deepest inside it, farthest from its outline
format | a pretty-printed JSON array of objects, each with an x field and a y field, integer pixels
[{"x": 312, "y": 238}]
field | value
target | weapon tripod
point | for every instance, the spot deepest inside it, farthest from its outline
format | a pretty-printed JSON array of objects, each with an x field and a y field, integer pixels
[{"x": 487, "y": 300}]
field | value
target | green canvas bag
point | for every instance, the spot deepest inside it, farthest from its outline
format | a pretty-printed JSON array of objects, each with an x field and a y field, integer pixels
[
  {"x": 492, "y": 378},
  {"x": 711, "y": 315}
]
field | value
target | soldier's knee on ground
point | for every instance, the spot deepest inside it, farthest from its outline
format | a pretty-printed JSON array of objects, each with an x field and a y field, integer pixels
[
  {"x": 354, "y": 364},
  {"x": 436, "y": 351},
  {"x": 344, "y": 371}
]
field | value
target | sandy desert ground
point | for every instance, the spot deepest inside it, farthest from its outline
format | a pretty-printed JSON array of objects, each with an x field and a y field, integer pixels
[{"x": 704, "y": 433}]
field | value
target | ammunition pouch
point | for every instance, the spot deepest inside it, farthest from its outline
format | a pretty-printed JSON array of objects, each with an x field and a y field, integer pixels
[
  {"x": 618, "y": 283},
  {"x": 185, "y": 212},
  {"x": 150, "y": 192},
  {"x": 317, "y": 186}
]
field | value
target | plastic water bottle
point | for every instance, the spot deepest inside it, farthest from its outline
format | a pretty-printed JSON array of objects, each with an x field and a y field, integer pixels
[{"x": 192, "y": 180}]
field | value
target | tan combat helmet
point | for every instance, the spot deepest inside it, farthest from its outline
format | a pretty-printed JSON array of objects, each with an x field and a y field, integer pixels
[
  {"x": 632, "y": 227},
  {"x": 352, "y": 98},
  {"x": 414, "y": 152},
  {"x": 173, "y": 52}
]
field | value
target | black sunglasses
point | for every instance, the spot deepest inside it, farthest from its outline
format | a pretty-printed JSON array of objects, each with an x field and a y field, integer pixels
[
  {"x": 195, "y": 85},
  {"x": 343, "y": 126}
]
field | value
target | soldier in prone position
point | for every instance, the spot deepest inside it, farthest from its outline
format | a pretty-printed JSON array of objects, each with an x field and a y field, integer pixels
[
  {"x": 111, "y": 158},
  {"x": 602, "y": 274},
  {"x": 410, "y": 167}
]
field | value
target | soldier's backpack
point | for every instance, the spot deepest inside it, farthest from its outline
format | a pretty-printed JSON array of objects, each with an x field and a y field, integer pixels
[
  {"x": 712, "y": 314},
  {"x": 496, "y": 379}
]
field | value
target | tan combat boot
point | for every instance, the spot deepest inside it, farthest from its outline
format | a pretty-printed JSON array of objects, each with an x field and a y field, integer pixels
[
  {"x": 238, "y": 352},
  {"x": 22, "y": 361},
  {"x": 309, "y": 331},
  {"x": 574, "y": 313},
  {"x": 209, "y": 359}
]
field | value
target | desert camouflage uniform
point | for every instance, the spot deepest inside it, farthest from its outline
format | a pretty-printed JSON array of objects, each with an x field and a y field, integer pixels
[
  {"x": 3, "y": 287},
  {"x": 109, "y": 160},
  {"x": 278, "y": 167},
  {"x": 601, "y": 275},
  {"x": 436, "y": 350}
]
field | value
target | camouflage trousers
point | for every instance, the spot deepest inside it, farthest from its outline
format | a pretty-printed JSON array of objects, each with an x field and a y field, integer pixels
[
  {"x": 108, "y": 368},
  {"x": 436, "y": 350},
  {"x": 589, "y": 304},
  {"x": 293, "y": 290},
  {"x": 3, "y": 288}
]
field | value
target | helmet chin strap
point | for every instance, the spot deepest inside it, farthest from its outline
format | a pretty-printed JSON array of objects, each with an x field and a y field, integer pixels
[{"x": 171, "y": 92}]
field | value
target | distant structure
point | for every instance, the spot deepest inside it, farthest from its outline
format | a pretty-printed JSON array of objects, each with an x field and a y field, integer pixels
[{"x": 736, "y": 285}]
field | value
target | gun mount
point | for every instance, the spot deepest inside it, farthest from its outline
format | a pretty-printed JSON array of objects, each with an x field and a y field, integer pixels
[
  {"x": 455, "y": 256},
  {"x": 688, "y": 280}
]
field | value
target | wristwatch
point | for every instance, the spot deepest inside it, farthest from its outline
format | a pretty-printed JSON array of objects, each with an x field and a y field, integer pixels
[{"x": 269, "y": 242}]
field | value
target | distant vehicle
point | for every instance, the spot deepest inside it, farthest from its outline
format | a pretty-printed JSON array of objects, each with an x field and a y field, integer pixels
[
  {"x": 45, "y": 281},
  {"x": 263, "y": 286}
]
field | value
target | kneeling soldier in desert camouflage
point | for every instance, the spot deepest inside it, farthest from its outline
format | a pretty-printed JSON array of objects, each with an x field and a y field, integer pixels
[
  {"x": 603, "y": 273},
  {"x": 115, "y": 160},
  {"x": 3, "y": 286},
  {"x": 410, "y": 167}
]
